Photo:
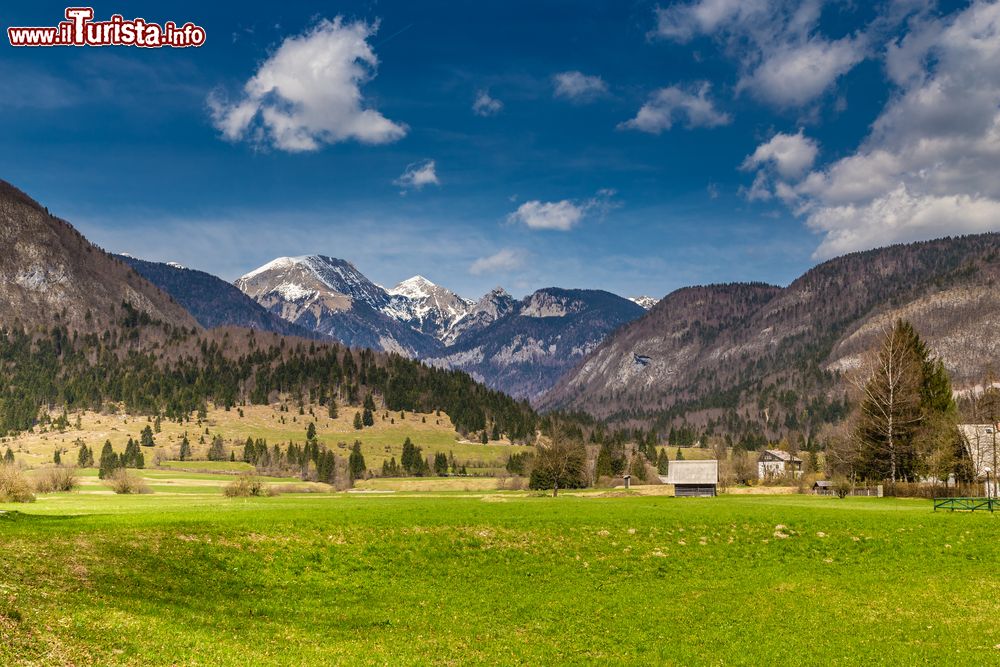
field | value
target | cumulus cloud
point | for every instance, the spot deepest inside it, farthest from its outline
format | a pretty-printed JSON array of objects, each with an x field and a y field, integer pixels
[
  {"x": 670, "y": 105},
  {"x": 578, "y": 87},
  {"x": 484, "y": 105},
  {"x": 791, "y": 154},
  {"x": 503, "y": 260},
  {"x": 562, "y": 215},
  {"x": 784, "y": 59},
  {"x": 928, "y": 166},
  {"x": 418, "y": 175},
  {"x": 308, "y": 93}
]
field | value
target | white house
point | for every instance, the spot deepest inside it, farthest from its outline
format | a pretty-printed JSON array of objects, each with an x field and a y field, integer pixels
[
  {"x": 774, "y": 463},
  {"x": 982, "y": 441}
]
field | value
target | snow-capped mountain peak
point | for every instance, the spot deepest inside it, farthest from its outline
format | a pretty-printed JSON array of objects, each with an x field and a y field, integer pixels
[{"x": 646, "y": 302}]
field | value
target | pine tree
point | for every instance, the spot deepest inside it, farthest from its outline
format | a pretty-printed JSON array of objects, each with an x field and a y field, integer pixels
[
  {"x": 603, "y": 466},
  {"x": 369, "y": 402},
  {"x": 358, "y": 423},
  {"x": 8, "y": 456},
  {"x": 217, "y": 452},
  {"x": 109, "y": 461},
  {"x": 441, "y": 464},
  {"x": 146, "y": 438},
  {"x": 311, "y": 432},
  {"x": 57, "y": 458},
  {"x": 331, "y": 409},
  {"x": 368, "y": 419},
  {"x": 185, "y": 453},
  {"x": 662, "y": 462},
  {"x": 484, "y": 439},
  {"x": 85, "y": 458},
  {"x": 356, "y": 462}
]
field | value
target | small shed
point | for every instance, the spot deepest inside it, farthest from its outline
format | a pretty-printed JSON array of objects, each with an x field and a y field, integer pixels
[
  {"x": 777, "y": 463},
  {"x": 823, "y": 487},
  {"x": 694, "y": 478}
]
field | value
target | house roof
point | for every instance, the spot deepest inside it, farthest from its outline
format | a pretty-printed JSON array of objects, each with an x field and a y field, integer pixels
[
  {"x": 823, "y": 483},
  {"x": 783, "y": 456},
  {"x": 693, "y": 472}
]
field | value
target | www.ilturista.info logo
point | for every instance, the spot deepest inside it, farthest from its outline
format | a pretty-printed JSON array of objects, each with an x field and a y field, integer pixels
[{"x": 79, "y": 29}]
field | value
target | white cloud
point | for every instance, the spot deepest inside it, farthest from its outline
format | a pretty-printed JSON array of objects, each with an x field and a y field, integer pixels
[
  {"x": 901, "y": 216},
  {"x": 795, "y": 74},
  {"x": 784, "y": 60},
  {"x": 791, "y": 155},
  {"x": 562, "y": 215},
  {"x": 484, "y": 105},
  {"x": 928, "y": 167},
  {"x": 308, "y": 93},
  {"x": 565, "y": 214},
  {"x": 503, "y": 260},
  {"x": 579, "y": 87},
  {"x": 418, "y": 175},
  {"x": 669, "y": 105}
]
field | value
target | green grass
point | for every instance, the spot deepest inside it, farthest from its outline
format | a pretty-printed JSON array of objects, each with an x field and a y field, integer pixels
[{"x": 495, "y": 578}]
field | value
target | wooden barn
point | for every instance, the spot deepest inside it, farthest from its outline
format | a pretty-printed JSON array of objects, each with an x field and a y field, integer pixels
[{"x": 694, "y": 478}]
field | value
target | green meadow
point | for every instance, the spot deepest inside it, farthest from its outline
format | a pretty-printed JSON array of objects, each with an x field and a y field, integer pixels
[{"x": 459, "y": 577}]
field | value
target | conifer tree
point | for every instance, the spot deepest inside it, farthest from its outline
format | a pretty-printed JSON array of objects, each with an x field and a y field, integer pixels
[
  {"x": 662, "y": 462},
  {"x": 356, "y": 462},
  {"x": 441, "y": 464},
  {"x": 217, "y": 451},
  {"x": 57, "y": 458},
  {"x": 368, "y": 418},
  {"x": 311, "y": 432},
  {"x": 109, "y": 461},
  {"x": 146, "y": 437},
  {"x": 185, "y": 453},
  {"x": 358, "y": 423},
  {"x": 8, "y": 456},
  {"x": 331, "y": 408}
]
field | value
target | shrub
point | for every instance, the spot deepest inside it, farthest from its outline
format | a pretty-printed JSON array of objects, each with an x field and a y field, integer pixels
[
  {"x": 246, "y": 486},
  {"x": 14, "y": 485},
  {"x": 842, "y": 487},
  {"x": 122, "y": 481},
  {"x": 56, "y": 480}
]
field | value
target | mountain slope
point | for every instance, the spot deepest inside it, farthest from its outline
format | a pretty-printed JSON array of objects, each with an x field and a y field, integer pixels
[
  {"x": 774, "y": 355},
  {"x": 525, "y": 351},
  {"x": 332, "y": 297},
  {"x": 211, "y": 300},
  {"x": 49, "y": 274}
]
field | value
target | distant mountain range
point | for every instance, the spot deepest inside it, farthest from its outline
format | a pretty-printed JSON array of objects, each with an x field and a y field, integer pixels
[
  {"x": 772, "y": 356},
  {"x": 519, "y": 347}
]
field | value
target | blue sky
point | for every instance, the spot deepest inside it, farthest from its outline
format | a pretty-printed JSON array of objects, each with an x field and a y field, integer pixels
[{"x": 635, "y": 147}]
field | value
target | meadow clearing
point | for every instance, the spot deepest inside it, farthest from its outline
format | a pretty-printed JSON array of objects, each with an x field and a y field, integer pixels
[
  {"x": 185, "y": 576},
  {"x": 433, "y": 432}
]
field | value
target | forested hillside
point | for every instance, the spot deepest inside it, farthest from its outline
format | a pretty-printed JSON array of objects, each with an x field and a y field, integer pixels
[{"x": 758, "y": 362}]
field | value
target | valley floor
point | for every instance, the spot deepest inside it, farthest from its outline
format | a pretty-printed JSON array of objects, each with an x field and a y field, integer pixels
[{"x": 466, "y": 577}]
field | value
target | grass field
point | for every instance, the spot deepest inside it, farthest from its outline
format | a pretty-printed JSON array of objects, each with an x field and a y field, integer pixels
[
  {"x": 458, "y": 578},
  {"x": 430, "y": 431}
]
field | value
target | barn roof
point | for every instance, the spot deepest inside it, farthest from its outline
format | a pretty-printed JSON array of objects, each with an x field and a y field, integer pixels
[{"x": 693, "y": 472}]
